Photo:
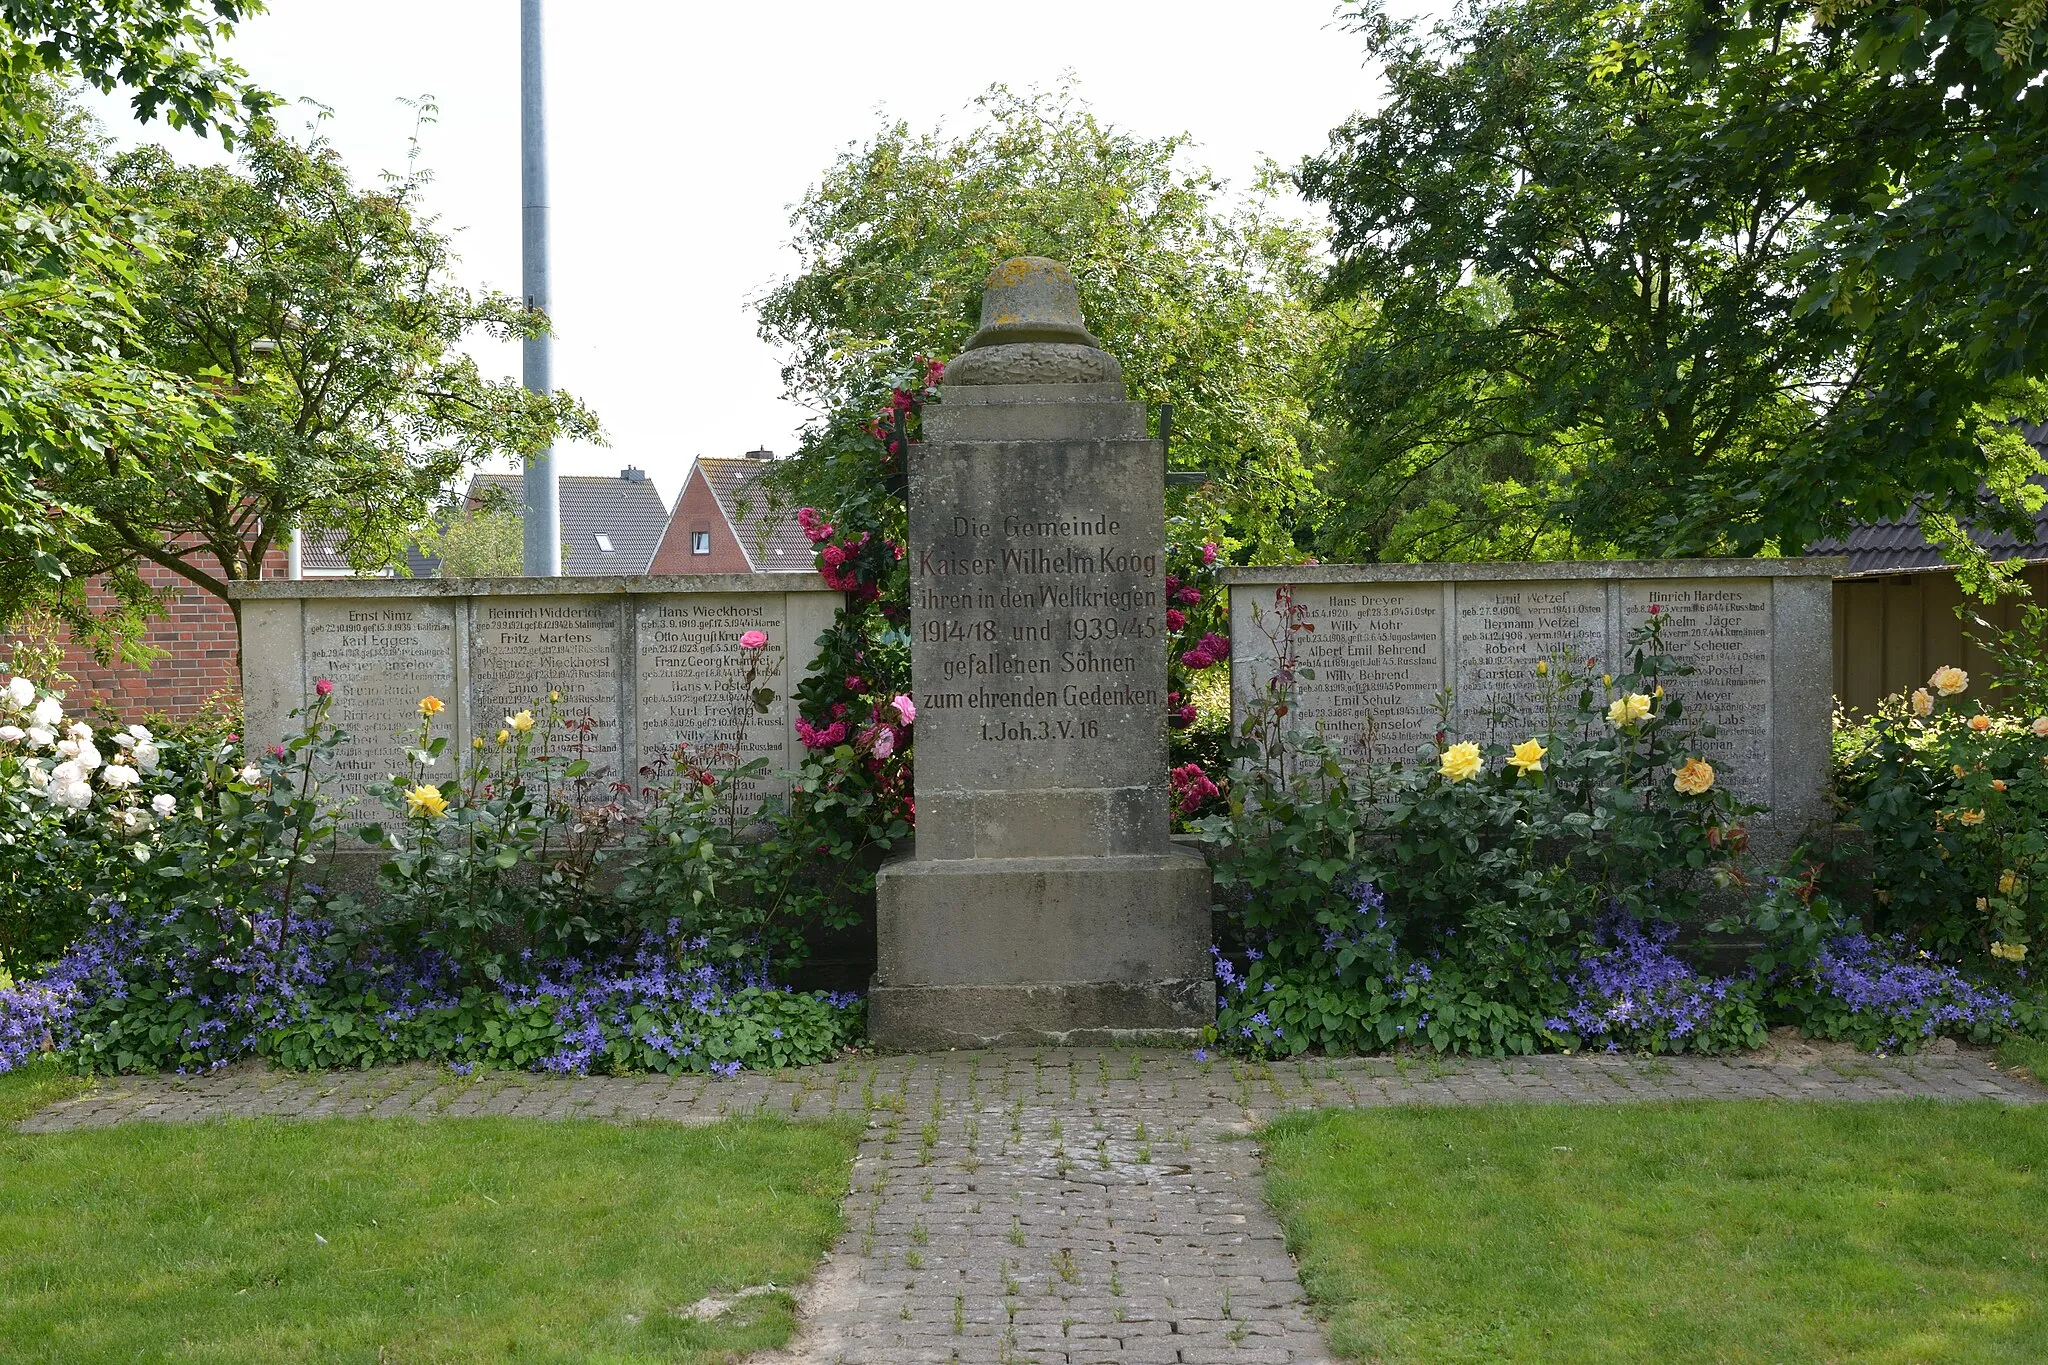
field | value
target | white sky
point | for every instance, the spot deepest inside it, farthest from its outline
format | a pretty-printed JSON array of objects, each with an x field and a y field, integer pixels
[{"x": 680, "y": 134}]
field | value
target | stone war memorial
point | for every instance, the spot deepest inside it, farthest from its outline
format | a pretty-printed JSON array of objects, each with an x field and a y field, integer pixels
[
  {"x": 1045, "y": 900},
  {"x": 1391, "y": 640},
  {"x": 644, "y": 664}
]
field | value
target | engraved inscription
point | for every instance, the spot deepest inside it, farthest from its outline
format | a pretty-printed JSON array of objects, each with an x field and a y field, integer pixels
[
  {"x": 383, "y": 656},
  {"x": 1504, "y": 629},
  {"x": 1377, "y": 652},
  {"x": 690, "y": 675},
  {"x": 521, "y": 649},
  {"x": 1723, "y": 628},
  {"x": 1036, "y": 631}
]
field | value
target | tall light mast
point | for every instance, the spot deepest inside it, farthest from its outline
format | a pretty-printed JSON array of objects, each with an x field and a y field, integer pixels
[{"x": 543, "y": 522}]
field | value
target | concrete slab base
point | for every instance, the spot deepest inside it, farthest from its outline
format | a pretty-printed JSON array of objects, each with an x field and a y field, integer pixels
[
  {"x": 980, "y": 952},
  {"x": 1057, "y": 1014}
]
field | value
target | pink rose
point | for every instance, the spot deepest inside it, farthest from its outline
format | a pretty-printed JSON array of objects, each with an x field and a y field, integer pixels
[
  {"x": 1217, "y": 646},
  {"x": 1191, "y": 596},
  {"x": 1209, "y": 552},
  {"x": 883, "y": 741},
  {"x": 905, "y": 708},
  {"x": 754, "y": 639},
  {"x": 1176, "y": 619},
  {"x": 323, "y": 687}
]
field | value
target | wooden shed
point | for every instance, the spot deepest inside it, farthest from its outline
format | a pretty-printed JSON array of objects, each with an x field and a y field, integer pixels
[{"x": 1895, "y": 611}]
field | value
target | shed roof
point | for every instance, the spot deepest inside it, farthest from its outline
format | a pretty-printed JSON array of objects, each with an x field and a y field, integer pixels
[{"x": 1897, "y": 544}]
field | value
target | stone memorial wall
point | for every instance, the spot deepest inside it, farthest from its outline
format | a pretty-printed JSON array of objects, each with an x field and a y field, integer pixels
[
  {"x": 1395, "y": 645},
  {"x": 641, "y": 664}
]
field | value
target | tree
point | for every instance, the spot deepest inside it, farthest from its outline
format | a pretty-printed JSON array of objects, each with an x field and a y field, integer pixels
[
  {"x": 72, "y": 390},
  {"x": 1580, "y": 245},
  {"x": 327, "y": 316},
  {"x": 477, "y": 542},
  {"x": 1206, "y": 308}
]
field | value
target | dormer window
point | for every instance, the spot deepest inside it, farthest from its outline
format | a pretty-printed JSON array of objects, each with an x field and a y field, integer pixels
[
  {"x": 604, "y": 543},
  {"x": 700, "y": 542}
]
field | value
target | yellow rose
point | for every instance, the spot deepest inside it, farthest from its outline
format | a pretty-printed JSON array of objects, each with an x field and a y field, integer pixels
[
  {"x": 1971, "y": 817},
  {"x": 1542, "y": 667},
  {"x": 521, "y": 722},
  {"x": 426, "y": 800},
  {"x": 1983, "y": 902},
  {"x": 2040, "y": 727},
  {"x": 1607, "y": 680},
  {"x": 1998, "y": 784},
  {"x": 1659, "y": 690},
  {"x": 1528, "y": 757},
  {"x": 554, "y": 696},
  {"x": 1958, "y": 770},
  {"x": 1695, "y": 777},
  {"x": 1923, "y": 702},
  {"x": 2009, "y": 952},
  {"x": 1980, "y": 722},
  {"x": 477, "y": 744},
  {"x": 1632, "y": 709},
  {"x": 2007, "y": 881},
  {"x": 1461, "y": 762},
  {"x": 432, "y": 706},
  {"x": 1950, "y": 681},
  {"x": 504, "y": 735}
]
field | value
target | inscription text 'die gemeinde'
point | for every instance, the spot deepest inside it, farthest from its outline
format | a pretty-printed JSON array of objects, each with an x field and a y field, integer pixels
[{"x": 1046, "y": 630}]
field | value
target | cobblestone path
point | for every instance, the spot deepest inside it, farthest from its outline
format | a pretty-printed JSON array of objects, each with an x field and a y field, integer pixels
[{"x": 1056, "y": 1206}]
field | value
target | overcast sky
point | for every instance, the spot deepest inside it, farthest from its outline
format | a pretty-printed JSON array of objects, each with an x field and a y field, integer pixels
[{"x": 681, "y": 134}]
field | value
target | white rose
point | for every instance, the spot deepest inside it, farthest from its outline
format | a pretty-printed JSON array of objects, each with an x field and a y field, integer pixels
[
  {"x": 87, "y": 753},
  {"x": 78, "y": 730},
  {"x": 73, "y": 795},
  {"x": 21, "y": 692},
  {"x": 251, "y": 774},
  {"x": 146, "y": 756},
  {"x": 47, "y": 713},
  {"x": 133, "y": 821},
  {"x": 141, "y": 733},
  {"x": 40, "y": 738},
  {"x": 119, "y": 776},
  {"x": 13, "y": 734},
  {"x": 33, "y": 771},
  {"x": 164, "y": 804},
  {"x": 66, "y": 773}
]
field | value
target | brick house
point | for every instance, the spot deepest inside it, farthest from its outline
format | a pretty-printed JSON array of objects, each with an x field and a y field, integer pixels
[{"x": 722, "y": 524}]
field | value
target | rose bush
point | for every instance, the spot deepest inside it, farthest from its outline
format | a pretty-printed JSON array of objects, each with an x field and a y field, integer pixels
[{"x": 1951, "y": 790}]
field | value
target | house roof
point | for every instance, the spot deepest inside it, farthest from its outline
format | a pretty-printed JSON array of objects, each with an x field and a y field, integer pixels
[
  {"x": 1897, "y": 545},
  {"x": 773, "y": 542},
  {"x": 628, "y": 512}
]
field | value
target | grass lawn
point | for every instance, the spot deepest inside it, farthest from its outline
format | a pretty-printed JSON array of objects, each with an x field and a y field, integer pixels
[
  {"x": 1907, "y": 1231},
  {"x": 2026, "y": 1056},
  {"x": 372, "y": 1239}
]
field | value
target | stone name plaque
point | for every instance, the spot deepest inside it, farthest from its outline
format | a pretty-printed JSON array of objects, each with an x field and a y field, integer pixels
[
  {"x": 641, "y": 665},
  {"x": 690, "y": 672},
  {"x": 1400, "y": 650},
  {"x": 383, "y": 656},
  {"x": 522, "y": 650}
]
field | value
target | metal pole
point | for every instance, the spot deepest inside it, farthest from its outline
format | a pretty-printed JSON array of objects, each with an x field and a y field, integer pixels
[{"x": 543, "y": 523}]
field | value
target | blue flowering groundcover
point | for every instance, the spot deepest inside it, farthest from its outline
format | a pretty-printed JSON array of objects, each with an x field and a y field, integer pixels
[{"x": 132, "y": 996}]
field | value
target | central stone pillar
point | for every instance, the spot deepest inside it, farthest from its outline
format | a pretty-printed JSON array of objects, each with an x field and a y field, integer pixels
[{"x": 1045, "y": 901}]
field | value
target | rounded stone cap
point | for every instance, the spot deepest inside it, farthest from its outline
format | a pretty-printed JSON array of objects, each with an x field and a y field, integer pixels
[
  {"x": 1032, "y": 332},
  {"x": 1029, "y": 298}
]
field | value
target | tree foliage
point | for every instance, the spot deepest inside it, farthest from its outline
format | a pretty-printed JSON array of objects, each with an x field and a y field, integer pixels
[
  {"x": 75, "y": 394},
  {"x": 1607, "y": 281},
  {"x": 1205, "y": 306},
  {"x": 328, "y": 314}
]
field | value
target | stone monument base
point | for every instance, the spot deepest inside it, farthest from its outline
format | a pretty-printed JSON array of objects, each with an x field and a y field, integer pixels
[{"x": 982, "y": 952}]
